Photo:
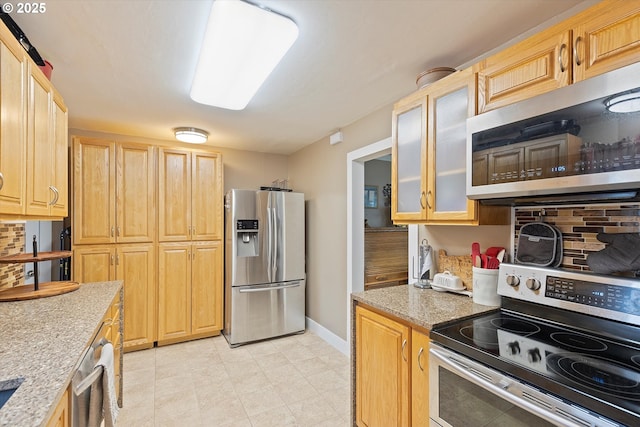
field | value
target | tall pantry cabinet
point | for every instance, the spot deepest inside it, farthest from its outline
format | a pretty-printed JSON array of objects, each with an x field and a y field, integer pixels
[
  {"x": 190, "y": 281},
  {"x": 152, "y": 217},
  {"x": 114, "y": 227}
]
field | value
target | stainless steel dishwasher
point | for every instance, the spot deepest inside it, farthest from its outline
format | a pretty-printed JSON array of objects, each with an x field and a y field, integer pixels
[{"x": 85, "y": 375}]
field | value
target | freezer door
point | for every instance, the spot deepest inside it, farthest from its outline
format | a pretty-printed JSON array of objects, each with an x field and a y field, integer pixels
[
  {"x": 287, "y": 219},
  {"x": 265, "y": 311}
]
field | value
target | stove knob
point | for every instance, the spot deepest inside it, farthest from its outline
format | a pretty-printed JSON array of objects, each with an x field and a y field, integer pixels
[
  {"x": 514, "y": 348},
  {"x": 534, "y": 355},
  {"x": 533, "y": 284},
  {"x": 513, "y": 280}
]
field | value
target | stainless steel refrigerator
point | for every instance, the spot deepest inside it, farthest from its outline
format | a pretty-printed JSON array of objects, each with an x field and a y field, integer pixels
[{"x": 264, "y": 265}]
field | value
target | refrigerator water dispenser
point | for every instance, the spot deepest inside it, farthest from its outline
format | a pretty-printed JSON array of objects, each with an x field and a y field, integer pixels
[{"x": 247, "y": 238}]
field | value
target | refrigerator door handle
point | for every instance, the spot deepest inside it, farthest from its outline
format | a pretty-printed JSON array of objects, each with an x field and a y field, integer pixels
[
  {"x": 269, "y": 289},
  {"x": 274, "y": 259},
  {"x": 269, "y": 245}
]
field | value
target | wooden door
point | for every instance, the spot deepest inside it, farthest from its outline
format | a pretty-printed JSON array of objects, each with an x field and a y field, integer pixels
[
  {"x": 135, "y": 266},
  {"x": 174, "y": 195},
  {"x": 61, "y": 416},
  {"x": 419, "y": 379},
  {"x": 206, "y": 288},
  {"x": 60, "y": 208},
  {"x": 13, "y": 119},
  {"x": 94, "y": 263},
  {"x": 39, "y": 146},
  {"x": 174, "y": 291},
  {"x": 409, "y": 160},
  {"x": 606, "y": 37},
  {"x": 135, "y": 194},
  {"x": 451, "y": 101},
  {"x": 94, "y": 199},
  {"x": 538, "y": 64},
  {"x": 206, "y": 196},
  {"x": 383, "y": 348}
]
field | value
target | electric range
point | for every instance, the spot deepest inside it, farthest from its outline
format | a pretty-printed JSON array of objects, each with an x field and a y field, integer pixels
[{"x": 573, "y": 337}]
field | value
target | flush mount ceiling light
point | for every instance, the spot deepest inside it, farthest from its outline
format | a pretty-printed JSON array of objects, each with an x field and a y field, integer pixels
[
  {"x": 243, "y": 43},
  {"x": 624, "y": 103},
  {"x": 191, "y": 135}
]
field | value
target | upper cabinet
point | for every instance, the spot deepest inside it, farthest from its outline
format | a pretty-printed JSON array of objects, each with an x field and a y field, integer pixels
[
  {"x": 13, "y": 120},
  {"x": 114, "y": 192},
  {"x": 429, "y": 136},
  {"x": 600, "y": 39},
  {"x": 33, "y": 138},
  {"x": 189, "y": 195}
]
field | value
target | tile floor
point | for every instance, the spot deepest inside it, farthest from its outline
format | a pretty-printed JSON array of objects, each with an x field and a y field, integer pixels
[{"x": 298, "y": 380}]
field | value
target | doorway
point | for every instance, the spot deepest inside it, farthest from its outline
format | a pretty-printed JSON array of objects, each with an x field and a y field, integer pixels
[{"x": 355, "y": 220}]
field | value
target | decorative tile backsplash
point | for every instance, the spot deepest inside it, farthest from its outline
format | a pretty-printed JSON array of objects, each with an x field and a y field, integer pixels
[
  {"x": 580, "y": 225},
  {"x": 11, "y": 243}
]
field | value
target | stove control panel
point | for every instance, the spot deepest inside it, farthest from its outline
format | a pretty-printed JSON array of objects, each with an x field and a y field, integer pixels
[{"x": 599, "y": 295}]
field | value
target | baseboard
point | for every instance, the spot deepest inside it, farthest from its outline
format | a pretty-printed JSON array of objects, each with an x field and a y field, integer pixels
[{"x": 331, "y": 338}]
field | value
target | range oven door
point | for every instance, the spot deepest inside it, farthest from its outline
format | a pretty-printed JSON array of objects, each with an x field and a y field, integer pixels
[{"x": 463, "y": 392}]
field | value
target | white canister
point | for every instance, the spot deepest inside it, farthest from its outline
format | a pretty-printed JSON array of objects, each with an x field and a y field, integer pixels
[{"x": 485, "y": 286}]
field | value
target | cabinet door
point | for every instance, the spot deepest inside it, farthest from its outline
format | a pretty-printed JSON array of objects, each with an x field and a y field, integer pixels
[
  {"x": 94, "y": 264},
  {"x": 536, "y": 65},
  {"x": 207, "y": 195},
  {"x": 61, "y": 417},
  {"x": 60, "y": 207},
  {"x": 408, "y": 168},
  {"x": 174, "y": 195},
  {"x": 383, "y": 347},
  {"x": 451, "y": 101},
  {"x": 606, "y": 37},
  {"x": 174, "y": 291},
  {"x": 206, "y": 287},
  {"x": 40, "y": 151},
  {"x": 94, "y": 200},
  {"x": 12, "y": 130},
  {"x": 419, "y": 379},
  {"x": 136, "y": 268},
  {"x": 135, "y": 194}
]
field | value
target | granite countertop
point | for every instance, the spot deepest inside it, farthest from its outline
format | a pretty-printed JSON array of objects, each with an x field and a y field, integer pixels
[
  {"x": 422, "y": 307},
  {"x": 42, "y": 341}
]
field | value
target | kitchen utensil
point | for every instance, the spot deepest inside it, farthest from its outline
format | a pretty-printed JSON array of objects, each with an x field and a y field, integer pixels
[
  {"x": 493, "y": 264},
  {"x": 484, "y": 260},
  {"x": 493, "y": 251},
  {"x": 500, "y": 255},
  {"x": 475, "y": 254}
]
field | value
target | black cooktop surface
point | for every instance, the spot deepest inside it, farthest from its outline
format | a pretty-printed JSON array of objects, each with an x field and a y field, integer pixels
[{"x": 598, "y": 373}]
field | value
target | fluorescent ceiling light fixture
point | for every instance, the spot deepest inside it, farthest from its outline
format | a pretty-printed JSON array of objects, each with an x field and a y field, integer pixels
[
  {"x": 191, "y": 135},
  {"x": 242, "y": 45},
  {"x": 623, "y": 103}
]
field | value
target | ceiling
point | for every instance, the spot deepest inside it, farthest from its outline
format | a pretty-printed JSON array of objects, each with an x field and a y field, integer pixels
[{"x": 126, "y": 66}]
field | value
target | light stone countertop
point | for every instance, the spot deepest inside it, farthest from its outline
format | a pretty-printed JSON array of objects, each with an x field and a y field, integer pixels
[
  {"x": 42, "y": 341},
  {"x": 422, "y": 307}
]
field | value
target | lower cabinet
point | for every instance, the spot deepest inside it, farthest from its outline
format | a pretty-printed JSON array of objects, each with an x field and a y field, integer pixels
[
  {"x": 190, "y": 290},
  {"x": 61, "y": 416},
  {"x": 392, "y": 375},
  {"x": 134, "y": 264}
]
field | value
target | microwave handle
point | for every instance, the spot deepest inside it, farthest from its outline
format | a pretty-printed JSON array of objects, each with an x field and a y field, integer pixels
[{"x": 501, "y": 388}]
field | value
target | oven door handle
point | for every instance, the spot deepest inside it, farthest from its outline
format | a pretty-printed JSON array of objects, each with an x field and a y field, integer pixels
[{"x": 500, "y": 389}]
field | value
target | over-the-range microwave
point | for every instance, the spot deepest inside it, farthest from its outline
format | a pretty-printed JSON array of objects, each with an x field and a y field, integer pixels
[{"x": 576, "y": 142}]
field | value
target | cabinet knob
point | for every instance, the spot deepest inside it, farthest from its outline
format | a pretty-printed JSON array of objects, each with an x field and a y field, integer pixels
[
  {"x": 422, "y": 196},
  {"x": 575, "y": 50},
  {"x": 563, "y": 47},
  {"x": 404, "y": 344},
  {"x": 56, "y": 195},
  {"x": 420, "y": 359},
  {"x": 1, "y": 180}
]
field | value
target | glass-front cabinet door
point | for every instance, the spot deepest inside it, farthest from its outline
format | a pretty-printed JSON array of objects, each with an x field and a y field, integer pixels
[
  {"x": 451, "y": 101},
  {"x": 408, "y": 174}
]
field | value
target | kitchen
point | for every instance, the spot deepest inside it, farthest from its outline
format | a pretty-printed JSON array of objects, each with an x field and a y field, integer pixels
[{"x": 327, "y": 205}]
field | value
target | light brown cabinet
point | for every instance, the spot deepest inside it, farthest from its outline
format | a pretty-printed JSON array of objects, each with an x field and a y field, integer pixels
[
  {"x": 134, "y": 264},
  {"x": 392, "y": 372},
  {"x": 431, "y": 123},
  {"x": 190, "y": 195},
  {"x": 61, "y": 415},
  {"x": 383, "y": 349},
  {"x": 13, "y": 64},
  {"x": 600, "y": 39},
  {"x": 47, "y": 155},
  {"x": 189, "y": 290},
  {"x": 114, "y": 192}
]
